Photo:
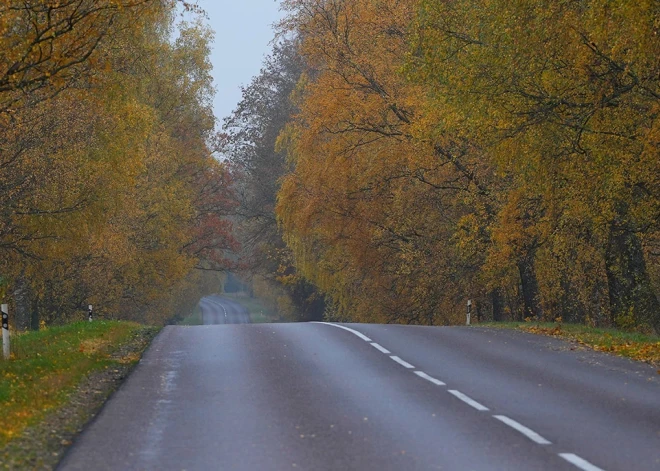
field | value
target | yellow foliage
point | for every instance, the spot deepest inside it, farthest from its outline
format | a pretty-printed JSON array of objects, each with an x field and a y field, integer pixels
[
  {"x": 104, "y": 157},
  {"x": 503, "y": 151}
]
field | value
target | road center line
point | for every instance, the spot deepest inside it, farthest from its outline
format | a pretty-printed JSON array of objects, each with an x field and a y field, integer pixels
[
  {"x": 437, "y": 382},
  {"x": 579, "y": 462},
  {"x": 379, "y": 347},
  {"x": 401, "y": 362},
  {"x": 468, "y": 400},
  {"x": 529, "y": 433},
  {"x": 354, "y": 332}
]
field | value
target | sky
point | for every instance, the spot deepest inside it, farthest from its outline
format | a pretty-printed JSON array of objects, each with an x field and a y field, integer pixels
[{"x": 243, "y": 31}]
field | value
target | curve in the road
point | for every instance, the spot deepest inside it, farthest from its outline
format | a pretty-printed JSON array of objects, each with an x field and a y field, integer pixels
[{"x": 220, "y": 310}]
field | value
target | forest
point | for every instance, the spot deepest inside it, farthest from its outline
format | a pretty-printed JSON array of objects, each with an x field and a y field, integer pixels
[
  {"x": 396, "y": 158},
  {"x": 392, "y": 160},
  {"x": 109, "y": 192}
]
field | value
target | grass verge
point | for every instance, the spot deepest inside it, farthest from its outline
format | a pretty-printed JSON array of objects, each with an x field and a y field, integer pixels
[
  {"x": 259, "y": 312},
  {"x": 633, "y": 345},
  {"x": 56, "y": 380}
]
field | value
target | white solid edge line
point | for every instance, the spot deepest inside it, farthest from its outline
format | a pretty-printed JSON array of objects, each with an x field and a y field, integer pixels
[
  {"x": 380, "y": 348},
  {"x": 529, "y": 433},
  {"x": 401, "y": 362},
  {"x": 421, "y": 374},
  {"x": 468, "y": 400},
  {"x": 354, "y": 332},
  {"x": 579, "y": 462}
]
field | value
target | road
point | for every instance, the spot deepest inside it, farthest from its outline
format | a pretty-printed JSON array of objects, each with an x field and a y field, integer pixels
[
  {"x": 319, "y": 397},
  {"x": 219, "y": 310}
]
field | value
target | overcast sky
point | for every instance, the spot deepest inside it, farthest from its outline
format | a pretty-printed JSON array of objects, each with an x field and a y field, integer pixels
[{"x": 243, "y": 30}]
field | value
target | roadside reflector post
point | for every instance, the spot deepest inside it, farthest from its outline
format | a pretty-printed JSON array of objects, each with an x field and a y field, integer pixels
[
  {"x": 469, "y": 312},
  {"x": 5, "y": 332},
  {"x": 90, "y": 312}
]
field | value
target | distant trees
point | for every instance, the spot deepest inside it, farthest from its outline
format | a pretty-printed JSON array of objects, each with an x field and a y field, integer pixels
[
  {"x": 109, "y": 193},
  {"x": 249, "y": 142},
  {"x": 499, "y": 151}
]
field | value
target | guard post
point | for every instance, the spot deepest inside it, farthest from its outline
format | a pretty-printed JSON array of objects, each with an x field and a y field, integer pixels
[
  {"x": 90, "y": 312},
  {"x": 6, "y": 352},
  {"x": 469, "y": 312}
]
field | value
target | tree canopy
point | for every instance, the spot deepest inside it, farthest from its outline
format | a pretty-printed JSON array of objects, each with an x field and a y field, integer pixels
[
  {"x": 257, "y": 166},
  {"x": 110, "y": 193},
  {"x": 393, "y": 159},
  {"x": 504, "y": 152}
]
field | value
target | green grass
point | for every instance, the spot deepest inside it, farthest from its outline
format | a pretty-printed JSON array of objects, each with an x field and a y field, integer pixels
[
  {"x": 642, "y": 347},
  {"x": 259, "y": 312},
  {"x": 47, "y": 365}
]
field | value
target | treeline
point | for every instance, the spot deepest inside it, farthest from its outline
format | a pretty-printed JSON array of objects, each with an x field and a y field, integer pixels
[
  {"x": 257, "y": 167},
  {"x": 501, "y": 151},
  {"x": 108, "y": 190}
]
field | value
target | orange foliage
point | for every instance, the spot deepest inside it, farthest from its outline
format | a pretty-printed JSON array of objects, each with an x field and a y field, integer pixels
[{"x": 501, "y": 151}]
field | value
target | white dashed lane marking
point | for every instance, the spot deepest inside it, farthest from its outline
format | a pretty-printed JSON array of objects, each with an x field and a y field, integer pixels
[
  {"x": 380, "y": 348},
  {"x": 352, "y": 331},
  {"x": 401, "y": 362},
  {"x": 468, "y": 400},
  {"x": 421, "y": 374},
  {"x": 579, "y": 462},
  {"x": 529, "y": 433}
]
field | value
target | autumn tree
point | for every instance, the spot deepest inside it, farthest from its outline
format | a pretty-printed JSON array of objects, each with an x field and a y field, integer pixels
[
  {"x": 499, "y": 151},
  {"x": 249, "y": 143},
  {"x": 566, "y": 105},
  {"x": 113, "y": 197},
  {"x": 370, "y": 209}
]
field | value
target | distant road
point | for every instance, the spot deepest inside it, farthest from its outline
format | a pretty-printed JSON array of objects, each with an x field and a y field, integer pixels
[
  {"x": 219, "y": 310},
  {"x": 377, "y": 397}
]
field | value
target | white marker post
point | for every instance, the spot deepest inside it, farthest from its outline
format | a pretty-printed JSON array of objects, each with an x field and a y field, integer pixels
[
  {"x": 90, "y": 312},
  {"x": 469, "y": 309},
  {"x": 5, "y": 332}
]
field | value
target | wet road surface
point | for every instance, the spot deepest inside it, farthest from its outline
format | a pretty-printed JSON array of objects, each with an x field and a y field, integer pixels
[
  {"x": 319, "y": 397},
  {"x": 219, "y": 310}
]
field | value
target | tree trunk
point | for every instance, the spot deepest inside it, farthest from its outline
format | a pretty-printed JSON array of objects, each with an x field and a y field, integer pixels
[
  {"x": 22, "y": 304},
  {"x": 530, "y": 287},
  {"x": 496, "y": 300},
  {"x": 35, "y": 318},
  {"x": 631, "y": 293}
]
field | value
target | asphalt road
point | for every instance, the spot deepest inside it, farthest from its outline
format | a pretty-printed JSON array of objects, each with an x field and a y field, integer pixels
[
  {"x": 219, "y": 310},
  {"x": 319, "y": 397}
]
